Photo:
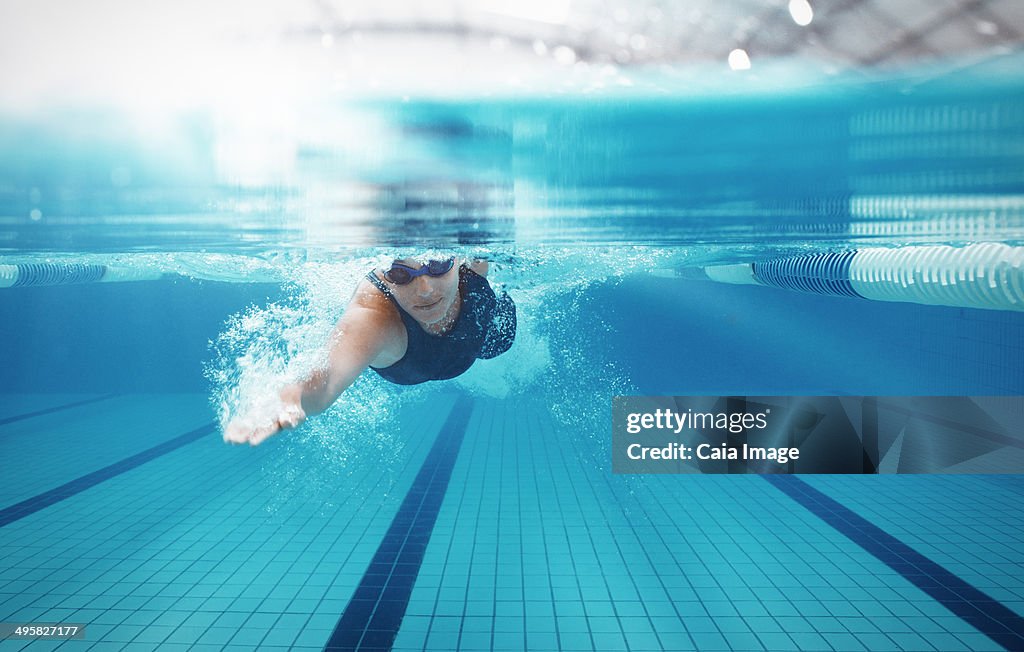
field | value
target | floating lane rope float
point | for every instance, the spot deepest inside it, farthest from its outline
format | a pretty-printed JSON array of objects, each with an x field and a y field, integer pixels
[
  {"x": 38, "y": 274},
  {"x": 987, "y": 275}
]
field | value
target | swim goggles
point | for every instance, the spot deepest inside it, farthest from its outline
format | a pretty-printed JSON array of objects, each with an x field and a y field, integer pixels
[{"x": 400, "y": 274}]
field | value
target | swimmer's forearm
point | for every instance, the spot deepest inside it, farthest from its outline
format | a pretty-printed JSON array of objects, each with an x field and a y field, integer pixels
[
  {"x": 355, "y": 342},
  {"x": 315, "y": 393},
  {"x": 310, "y": 393}
]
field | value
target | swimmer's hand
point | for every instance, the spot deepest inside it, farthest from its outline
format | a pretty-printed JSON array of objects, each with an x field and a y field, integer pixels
[{"x": 285, "y": 414}]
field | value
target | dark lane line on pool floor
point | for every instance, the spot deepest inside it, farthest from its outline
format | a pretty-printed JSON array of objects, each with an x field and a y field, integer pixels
[
  {"x": 26, "y": 507},
  {"x": 38, "y": 413},
  {"x": 980, "y": 610},
  {"x": 373, "y": 615}
]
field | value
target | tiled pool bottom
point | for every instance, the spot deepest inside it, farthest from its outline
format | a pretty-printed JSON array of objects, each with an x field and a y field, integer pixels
[{"x": 186, "y": 543}]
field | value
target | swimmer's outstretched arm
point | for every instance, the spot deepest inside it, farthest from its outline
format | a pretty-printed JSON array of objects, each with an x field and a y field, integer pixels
[{"x": 360, "y": 335}]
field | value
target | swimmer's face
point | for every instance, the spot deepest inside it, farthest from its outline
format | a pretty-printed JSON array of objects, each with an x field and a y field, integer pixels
[{"x": 427, "y": 298}]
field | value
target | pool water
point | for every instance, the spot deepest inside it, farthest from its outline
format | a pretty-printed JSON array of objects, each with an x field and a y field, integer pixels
[{"x": 481, "y": 513}]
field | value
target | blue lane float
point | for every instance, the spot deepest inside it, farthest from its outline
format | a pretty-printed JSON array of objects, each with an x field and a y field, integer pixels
[
  {"x": 57, "y": 274},
  {"x": 827, "y": 273},
  {"x": 988, "y": 275},
  {"x": 39, "y": 274}
]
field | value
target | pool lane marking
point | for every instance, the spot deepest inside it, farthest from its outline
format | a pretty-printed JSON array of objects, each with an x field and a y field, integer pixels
[
  {"x": 37, "y": 413},
  {"x": 982, "y": 611},
  {"x": 27, "y": 507},
  {"x": 373, "y": 615}
]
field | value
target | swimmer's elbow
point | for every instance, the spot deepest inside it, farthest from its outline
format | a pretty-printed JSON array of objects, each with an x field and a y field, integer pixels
[
  {"x": 502, "y": 332},
  {"x": 350, "y": 359},
  {"x": 479, "y": 266},
  {"x": 359, "y": 337}
]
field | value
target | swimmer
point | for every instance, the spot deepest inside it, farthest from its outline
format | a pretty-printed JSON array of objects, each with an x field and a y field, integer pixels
[{"x": 419, "y": 320}]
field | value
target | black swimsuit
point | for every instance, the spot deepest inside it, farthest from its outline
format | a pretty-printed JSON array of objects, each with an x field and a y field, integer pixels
[{"x": 485, "y": 328}]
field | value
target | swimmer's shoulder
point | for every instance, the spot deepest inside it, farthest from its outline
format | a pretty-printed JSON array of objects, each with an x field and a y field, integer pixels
[
  {"x": 374, "y": 309},
  {"x": 370, "y": 297},
  {"x": 370, "y": 305}
]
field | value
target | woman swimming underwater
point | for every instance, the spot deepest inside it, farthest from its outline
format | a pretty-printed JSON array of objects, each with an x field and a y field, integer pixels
[{"x": 419, "y": 320}]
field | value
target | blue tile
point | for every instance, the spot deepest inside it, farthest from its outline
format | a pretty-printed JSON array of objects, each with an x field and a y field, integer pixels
[
  {"x": 779, "y": 641},
  {"x": 742, "y": 641},
  {"x": 575, "y": 640},
  {"x": 844, "y": 642},
  {"x": 511, "y": 640},
  {"x": 475, "y": 640},
  {"x": 709, "y": 641},
  {"x": 32, "y": 505},
  {"x": 804, "y": 641},
  {"x": 991, "y": 617},
  {"x": 413, "y": 522}
]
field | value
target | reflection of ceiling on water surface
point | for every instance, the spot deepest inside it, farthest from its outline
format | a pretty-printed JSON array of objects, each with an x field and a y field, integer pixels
[
  {"x": 844, "y": 32},
  {"x": 193, "y": 52},
  {"x": 238, "y": 117}
]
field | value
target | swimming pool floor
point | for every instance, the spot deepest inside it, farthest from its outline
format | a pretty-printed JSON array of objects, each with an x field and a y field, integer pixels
[{"x": 483, "y": 525}]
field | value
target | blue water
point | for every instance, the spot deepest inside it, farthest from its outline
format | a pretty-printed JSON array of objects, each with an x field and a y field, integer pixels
[{"x": 481, "y": 513}]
